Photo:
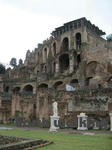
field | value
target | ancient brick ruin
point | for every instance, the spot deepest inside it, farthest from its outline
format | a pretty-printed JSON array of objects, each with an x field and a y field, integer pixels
[{"x": 75, "y": 54}]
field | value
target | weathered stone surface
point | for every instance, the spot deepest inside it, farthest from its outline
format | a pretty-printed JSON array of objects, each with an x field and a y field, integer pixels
[{"x": 76, "y": 55}]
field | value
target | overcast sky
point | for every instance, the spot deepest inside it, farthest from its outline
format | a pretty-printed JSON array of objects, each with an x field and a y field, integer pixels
[{"x": 25, "y": 23}]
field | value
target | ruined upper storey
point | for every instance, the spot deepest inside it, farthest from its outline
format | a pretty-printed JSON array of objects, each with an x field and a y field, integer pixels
[
  {"x": 75, "y": 50},
  {"x": 77, "y": 24}
]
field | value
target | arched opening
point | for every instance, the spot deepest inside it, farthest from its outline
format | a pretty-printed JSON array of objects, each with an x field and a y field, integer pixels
[
  {"x": 37, "y": 72},
  {"x": 64, "y": 62},
  {"x": 58, "y": 84},
  {"x": 87, "y": 81},
  {"x": 16, "y": 90},
  {"x": 54, "y": 49},
  {"x": 74, "y": 82},
  {"x": 78, "y": 59},
  {"x": 6, "y": 89},
  {"x": 65, "y": 44},
  {"x": 45, "y": 53},
  {"x": 78, "y": 40},
  {"x": 43, "y": 86},
  {"x": 28, "y": 88}
]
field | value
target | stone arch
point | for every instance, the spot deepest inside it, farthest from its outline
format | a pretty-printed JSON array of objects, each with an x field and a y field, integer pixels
[
  {"x": 74, "y": 82},
  {"x": 64, "y": 62},
  {"x": 65, "y": 44},
  {"x": 43, "y": 86},
  {"x": 58, "y": 85},
  {"x": 16, "y": 89},
  {"x": 28, "y": 88},
  {"x": 78, "y": 59},
  {"x": 78, "y": 40}
]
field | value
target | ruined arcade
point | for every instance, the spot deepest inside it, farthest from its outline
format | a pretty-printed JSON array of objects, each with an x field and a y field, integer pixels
[{"x": 74, "y": 55}]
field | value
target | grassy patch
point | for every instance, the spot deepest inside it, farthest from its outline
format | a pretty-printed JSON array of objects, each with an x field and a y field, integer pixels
[{"x": 65, "y": 141}]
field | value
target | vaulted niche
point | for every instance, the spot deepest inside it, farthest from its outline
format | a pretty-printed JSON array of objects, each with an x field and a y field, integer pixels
[
  {"x": 65, "y": 44},
  {"x": 78, "y": 40},
  {"x": 64, "y": 62},
  {"x": 16, "y": 90},
  {"x": 43, "y": 86},
  {"x": 74, "y": 81},
  {"x": 28, "y": 88},
  {"x": 58, "y": 84},
  {"x": 54, "y": 49}
]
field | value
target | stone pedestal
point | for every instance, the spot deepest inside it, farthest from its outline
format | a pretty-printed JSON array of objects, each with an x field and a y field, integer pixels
[
  {"x": 110, "y": 121},
  {"x": 95, "y": 127},
  {"x": 53, "y": 128},
  {"x": 82, "y": 122}
]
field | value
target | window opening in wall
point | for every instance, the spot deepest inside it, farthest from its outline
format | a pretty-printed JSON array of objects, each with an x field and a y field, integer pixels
[
  {"x": 78, "y": 41},
  {"x": 99, "y": 86},
  {"x": 74, "y": 81},
  {"x": 65, "y": 44},
  {"x": 28, "y": 88},
  {"x": 45, "y": 53},
  {"x": 57, "y": 84},
  {"x": 78, "y": 59},
  {"x": 54, "y": 49},
  {"x": 44, "y": 86},
  {"x": 7, "y": 89},
  {"x": 37, "y": 71},
  {"x": 16, "y": 89},
  {"x": 64, "y": 62}
]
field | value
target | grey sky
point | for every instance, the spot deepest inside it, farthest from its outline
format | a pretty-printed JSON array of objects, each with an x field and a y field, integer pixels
[{"x": 24, "y": 23}]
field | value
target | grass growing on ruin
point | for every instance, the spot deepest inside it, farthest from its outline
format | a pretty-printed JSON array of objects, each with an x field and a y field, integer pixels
[{"x": 65, "y": 141}]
